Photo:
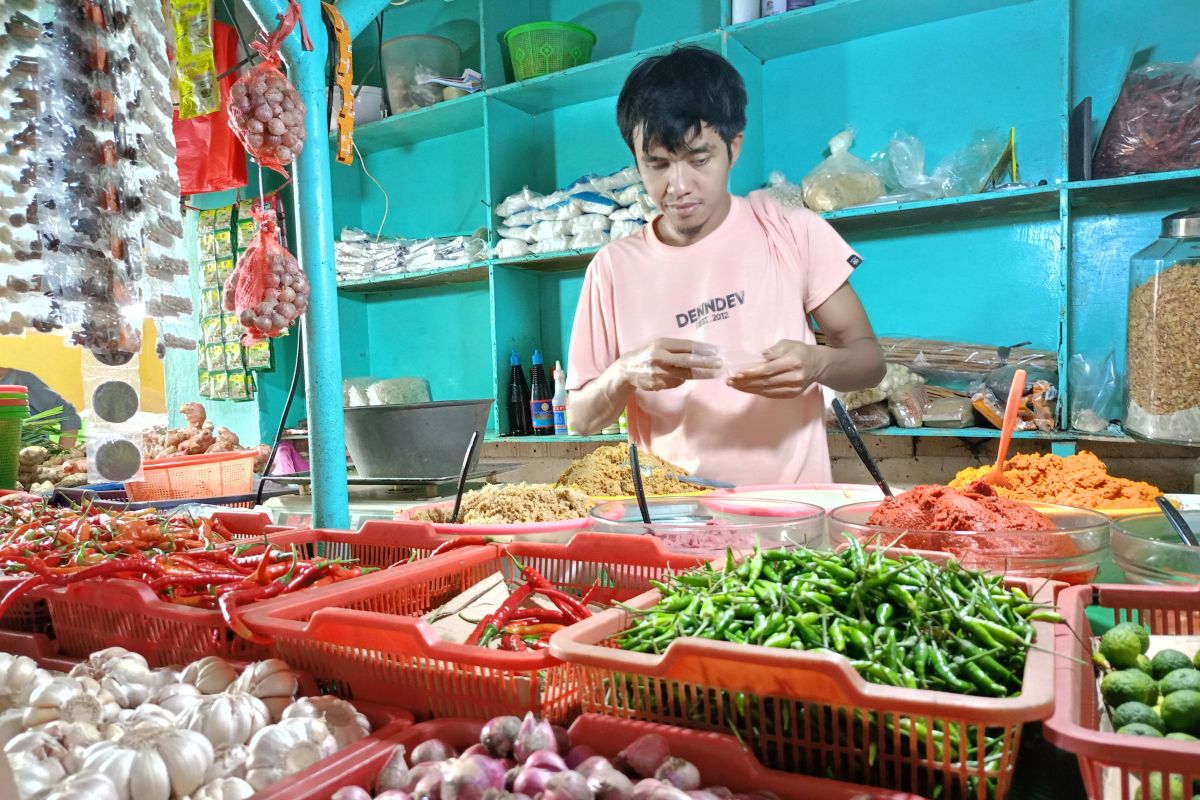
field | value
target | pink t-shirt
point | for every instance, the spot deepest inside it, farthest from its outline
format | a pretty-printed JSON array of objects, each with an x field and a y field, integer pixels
[{"x": 750, "y": 283}]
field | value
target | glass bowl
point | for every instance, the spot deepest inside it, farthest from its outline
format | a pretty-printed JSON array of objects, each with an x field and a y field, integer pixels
[
  {"x": 1071, "y": 554},
  {"x": 1148, "y": 551},
  {"x": 708, "y": 525}
]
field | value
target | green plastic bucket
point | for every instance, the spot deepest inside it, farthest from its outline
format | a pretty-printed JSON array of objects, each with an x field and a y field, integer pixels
[
  {"x": 538, "y": 48},
  {"x": 12, "y": 415}
]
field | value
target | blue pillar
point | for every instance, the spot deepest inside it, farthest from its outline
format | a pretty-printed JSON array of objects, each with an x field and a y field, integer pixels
[{"x": 314, "y": 232}]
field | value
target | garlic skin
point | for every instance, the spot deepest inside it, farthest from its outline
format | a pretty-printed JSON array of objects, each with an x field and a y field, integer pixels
[
  {"x": 38, "y": 745},
  {"x": 228, "y": 762},
  {"x": 210, "y": 675},
  {"x": 394, "y": 774},
  {"x": 152, "y": 763},
  {"x": 102, "y": 662},
  {"x": 287, "y": 748},
  {"x": 226, "y": 719},
  {"x": 19, "y": 677},
  {"x": 147, "y": 712},
  {"x": 345, "y": 722},
  {"x": 74, "y": 737},
  {"x": 11, "y": 723},
  {"x": 129, "y": 683},
  {"x": 83, "y": 786},
  {"x": 176, "y": 697},
  {"x": 224, "y": 789},
  {"x": 34, "y": 776},
  {"x": 271, "y": 681},
  {"x": 71, "y": 700}
]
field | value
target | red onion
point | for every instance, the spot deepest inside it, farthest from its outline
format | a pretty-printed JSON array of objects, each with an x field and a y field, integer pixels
[
  {"x": 267, "y": 114},
  {"x": 498, "y": 735},
  {"x": 608, "y": 784},
  {"x": 429, "y": 787},
  {"x": 532, "y": 781},
  {"x": 703, "y": 794},
  {"x": 666, "y": 791},
  {"x": 351, "y": 793},
  {"x": 679, "y": 773},
  {"x": 535, "y": 734},
  {"x": 394, "y": 774},
  {"x": 494, "y": 768},
  {"x": 510, "y": 777},
  {"x": 590, "y": 765},
  {"x": 646, "y": 787},
  {"x": 567, "y": 786},
  {"x": 477, "y": 750},
  {"x": 547, "y": 760},
  {"x": 580, "y": 754},
  {"x": 645, "y": 754},
  {"x": 432, "y": 750},
  {"x": 417, "y": 774},
  {"x": 467, "y": 779},
  {"x": 562, "y": 739},
  {"x": 393, "y": 794}
]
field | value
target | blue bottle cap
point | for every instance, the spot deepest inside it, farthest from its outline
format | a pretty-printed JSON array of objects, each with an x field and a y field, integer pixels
[
  {"x": 514, "y": 359},
  {"x": 537, "y": 356}
]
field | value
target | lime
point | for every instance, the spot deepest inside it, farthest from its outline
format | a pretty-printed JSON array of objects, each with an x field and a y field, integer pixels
[
  {"x": 1125, "y": 685},
  {"x": 1156, "y": 793},
  {"x": 1138, "y": 729},
  {"x": 1143, "y": 664},
  {"x": 1186, "y": 678},
  {"x": 1168, "y": 661},
  {"x": 1137, "y": 713},
  {"x": 1182, "y": 737},
  {"x": 1123, "y": 644},
  {"x": 1181, "y": 711}
]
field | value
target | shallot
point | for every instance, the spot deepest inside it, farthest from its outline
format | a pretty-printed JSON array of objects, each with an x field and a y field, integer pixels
[
  {"x": 535, "y": 734},
  {"x": 547, "y": 760},
  {"x": 499, "y": 734},
  {"x": 567, "y": 786},
  {"x": 267, "y": 114},
  {"x": 645, "y": 754},
  {"x": 679, "y": 773},
  {"x": 432, "y": 750}
]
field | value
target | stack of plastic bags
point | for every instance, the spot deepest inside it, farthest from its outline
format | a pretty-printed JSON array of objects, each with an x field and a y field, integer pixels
[
  {"x": 361, "y": 255},
  {"x": 589, "y": 213}
]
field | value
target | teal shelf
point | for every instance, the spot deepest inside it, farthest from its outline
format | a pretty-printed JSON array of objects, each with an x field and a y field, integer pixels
[
  {"x": 1133, "y": 188},
  {"x": 441, "y": 119},
  {"x": 599, "y": 437},
  {"x": 462, "y": 273},
  {"x": 561, "y": 261},
  {"x": 837, "y": 21},
  {"x": 948, "y": 209}
]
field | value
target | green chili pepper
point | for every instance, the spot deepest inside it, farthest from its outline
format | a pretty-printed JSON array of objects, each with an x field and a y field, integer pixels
[
  {"x": 779, "y": 639},
  {"x": 943, "y": 671},
  {"x": 883, "y": 614}
]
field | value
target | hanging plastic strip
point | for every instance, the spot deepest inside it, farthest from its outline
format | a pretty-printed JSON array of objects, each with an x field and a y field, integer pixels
[{"x": 343, "y": 78}]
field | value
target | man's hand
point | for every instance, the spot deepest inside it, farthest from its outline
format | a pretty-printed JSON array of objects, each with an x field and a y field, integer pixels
[
  {"x": 666, "y": 364},
  {"x": 790, "y": 368}
]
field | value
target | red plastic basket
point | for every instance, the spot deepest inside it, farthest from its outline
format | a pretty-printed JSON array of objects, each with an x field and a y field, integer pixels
[
  {"x": 247, "y": 524},
  {"x": 808, "y": 712},
  {"x": 721, "y": 759},
  {"x": 92, "y": 615},
  {"x": 370, "y": 639},
  {"x": 199, "y": 476},
  {"x": 1117, "y": 765}
]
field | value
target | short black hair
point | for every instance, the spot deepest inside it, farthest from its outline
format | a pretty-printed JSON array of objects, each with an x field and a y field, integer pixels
[{"x": 668, "y": 98}]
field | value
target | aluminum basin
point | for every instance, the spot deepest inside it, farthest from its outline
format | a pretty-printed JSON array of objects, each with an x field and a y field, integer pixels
[{"x": 418, "y": 440}]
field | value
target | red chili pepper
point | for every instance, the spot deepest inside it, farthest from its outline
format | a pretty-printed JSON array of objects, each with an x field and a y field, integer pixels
[
  {"x": 461, "y": 541},
  {"x": 513, "y": 642},
  {"x": 540, "y": 615},
  {"x": 19, "y": 591},
  {"x": 539, "y": 629},
  {"x": 206, "y": 579},
  {"x": 502, "y": 614}
]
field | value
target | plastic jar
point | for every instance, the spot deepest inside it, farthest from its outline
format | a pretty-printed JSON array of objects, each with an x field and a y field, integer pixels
[{"x": 1162, "y": 394}]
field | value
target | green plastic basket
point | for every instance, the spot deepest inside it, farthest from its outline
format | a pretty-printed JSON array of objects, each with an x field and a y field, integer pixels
[{"x": 538, "y": 48}]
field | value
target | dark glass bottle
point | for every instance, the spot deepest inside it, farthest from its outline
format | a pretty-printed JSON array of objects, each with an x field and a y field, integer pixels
[
  {"x": 541, "y": 401},
  {"x": 519, "y": 420}
]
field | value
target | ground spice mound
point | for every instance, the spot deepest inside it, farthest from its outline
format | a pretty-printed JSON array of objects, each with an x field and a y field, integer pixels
[
  {"x": 1081, "y": 480},
  {"x": 605, "y": 472},
  {"x": 505, "y": 504},
  {"x": 973, "y": 508}
]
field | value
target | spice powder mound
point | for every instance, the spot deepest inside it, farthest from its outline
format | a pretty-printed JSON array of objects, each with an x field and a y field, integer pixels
[{"x": 1164, "y": 331}]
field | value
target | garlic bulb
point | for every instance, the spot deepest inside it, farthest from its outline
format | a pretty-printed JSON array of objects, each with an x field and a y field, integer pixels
[
  {"x": 102, "y": 662},
  {"x": 210, "y": 675},
  {"x": 228, "y": 762},
  {"x": 227, "y": 718},
  {"x": 152, "y": 763},
  {"x": 147, "y": 712},
  {"x": 36, "y": 744},
  {"x": 19, "y": 676},
  {"x": 345, "y": 721},
  {"x": 11, "y": 723},
  {"x": 129, "y": 682},
  {"x": 287, "y": 748},
  {"x": 75, "y": 738},
  {"x": 71, "y": 700},
  {"x": 176, "y": 697},
  {"x": 83, "y": 786},
  {"x": 271, "y": 681},
  {"x": 35, "y": 775},
  {"x": 224, "y": 789}
]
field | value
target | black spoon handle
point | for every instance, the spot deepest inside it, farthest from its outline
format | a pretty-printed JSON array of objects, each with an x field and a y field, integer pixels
[
  {"x": 638, "y": 490},
  {"x": 851, "y": 431},
  {"x": 1182, "y": 529},
  {"x": 462, "y": 476}
]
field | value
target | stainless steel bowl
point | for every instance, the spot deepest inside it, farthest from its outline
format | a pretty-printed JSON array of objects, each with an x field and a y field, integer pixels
[{"x": 419, "y": 440}]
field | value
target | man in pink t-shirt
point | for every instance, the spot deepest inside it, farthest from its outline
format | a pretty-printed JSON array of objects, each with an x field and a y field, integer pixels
[{"x": 699, "y": 324}]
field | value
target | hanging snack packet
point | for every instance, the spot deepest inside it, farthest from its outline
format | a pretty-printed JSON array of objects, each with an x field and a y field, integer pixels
[
  {"x": 195, "y": 64},
  {"x": 268, "y": 290},
  {"x": 265, "y": 109}
]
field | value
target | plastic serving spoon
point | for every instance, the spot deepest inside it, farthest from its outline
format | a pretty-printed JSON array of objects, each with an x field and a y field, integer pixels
[
  {"x": 638, "y": 489},
  {"x": 1015, "y": 392},
  {"x": 1178, "y": 523},
  {"x": 860, "y": 447},
  {"x": 462, "y": 477}
]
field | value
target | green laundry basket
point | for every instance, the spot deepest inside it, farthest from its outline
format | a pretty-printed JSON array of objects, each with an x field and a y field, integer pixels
[
  {"x": 13, "y": 412},
  {"x": 538, "y": 48}
]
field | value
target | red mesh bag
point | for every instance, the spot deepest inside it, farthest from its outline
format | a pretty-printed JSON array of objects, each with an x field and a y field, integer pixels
[
  {"x": 267, "y": 289},
  {"x": 265, "y": 109}
]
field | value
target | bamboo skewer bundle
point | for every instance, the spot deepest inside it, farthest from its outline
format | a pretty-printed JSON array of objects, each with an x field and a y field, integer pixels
[{"x": 926, "y": 355}]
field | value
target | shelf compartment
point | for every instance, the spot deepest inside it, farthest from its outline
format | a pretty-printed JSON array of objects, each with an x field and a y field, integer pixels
[
  {"x": 948, "y": 209},
  {"x": 561, "y": 261},
  {"x": 837, "y": 21},
  {"x": 599, "y": 437},
  {"x": 401, "y": 130},
  {"x": 1134, "y": 188},
  {"x": 461, "y": 273}
]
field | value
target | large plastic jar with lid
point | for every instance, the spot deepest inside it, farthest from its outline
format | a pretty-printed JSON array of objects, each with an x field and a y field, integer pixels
[{"x": 1162, "y": 394}]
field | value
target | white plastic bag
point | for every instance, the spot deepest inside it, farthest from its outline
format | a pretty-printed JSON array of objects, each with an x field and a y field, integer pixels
[{"x": 842, "y": 179}]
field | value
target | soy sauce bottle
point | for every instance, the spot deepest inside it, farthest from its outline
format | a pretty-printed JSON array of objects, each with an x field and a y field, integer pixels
[
  {"x": 540, "y": 400},
  {"x": 519, "y": 419}
]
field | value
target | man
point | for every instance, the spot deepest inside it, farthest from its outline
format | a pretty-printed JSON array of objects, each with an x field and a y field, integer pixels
[
  {"x": 43, "y": 398},
  {"x": 699, "y": 323}
]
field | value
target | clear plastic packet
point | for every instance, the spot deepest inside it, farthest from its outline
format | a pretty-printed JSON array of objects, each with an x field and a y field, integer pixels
[
  {"x": 518, "y": 201},
  {"x": 948, "y": 412},
  {"x": 1154, "y": 126},
  {"x": 398, "y": 391},
  {"x": 843, "y": 179},
  {"x": 965, "y": 171},
  {"x": 593, "y": 238},
  {"x": 867, "y": 418},
  {"x": 195, "y": 63},
  {"x": 354, "y": 391},
  {"x": 907, "y": 405}
]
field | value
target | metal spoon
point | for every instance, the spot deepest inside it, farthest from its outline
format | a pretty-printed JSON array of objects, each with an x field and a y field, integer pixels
[
  {"x": 851, "y": 431},
  {"x": 1178, "y": 523},
  {"x": 638, "y": 490},
  {"x": 462, "y": 477}
]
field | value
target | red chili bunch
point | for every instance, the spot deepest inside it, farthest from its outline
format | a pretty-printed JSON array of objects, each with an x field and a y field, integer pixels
[{"x": 523, "y": 629}]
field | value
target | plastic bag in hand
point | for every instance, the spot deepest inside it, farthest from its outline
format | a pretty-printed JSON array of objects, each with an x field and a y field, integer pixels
[
  {"x": 1154, "y": 125},
  {"x": 267, "y": 289},
  {"x": 841, "y": 180}
]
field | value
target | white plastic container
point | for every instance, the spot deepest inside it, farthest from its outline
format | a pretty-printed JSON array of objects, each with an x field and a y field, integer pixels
[
  {"x": 405, "y": 57},
  {"x": 368, "y": 105}
]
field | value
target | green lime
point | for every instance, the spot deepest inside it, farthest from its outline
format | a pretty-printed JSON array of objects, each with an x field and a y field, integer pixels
[
  {"x": 1168, "y": 661},
  {"x": 1186, "y": 678},
  {"x": 1137, "y": 713},
  {"x": 1181, "y": 711},
  {"x": 1123, "y": 644},
  {"x": 1182, "y": 737},
  {"x": 1156, "y": 793},
  {"x": 1139, "y": 729},
  {"x": 1143, "y": 664},
  {"x": 1125, "y": 685}
]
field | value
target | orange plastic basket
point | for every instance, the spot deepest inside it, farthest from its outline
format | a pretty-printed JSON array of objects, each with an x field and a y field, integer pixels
[
  {"x": 1118, "y": 765},
  {"x": 92, "y": 615},
  {"x": 808, "y": 712},
  {"x": 371, "y": 641},
  {"x": 721, "y": 759},
  {"x": 188, "y": 477}
]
